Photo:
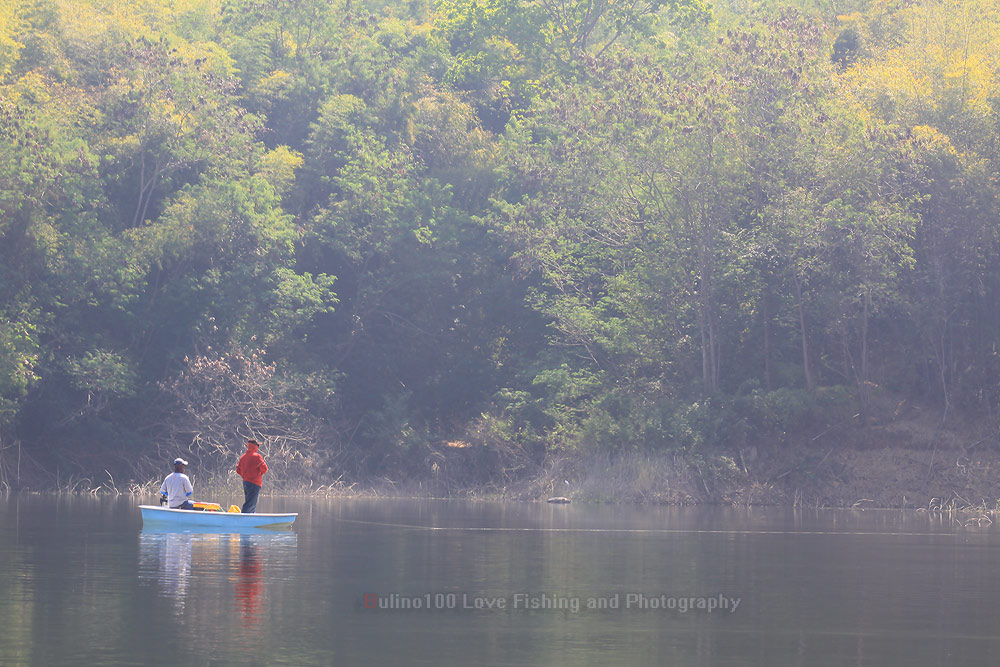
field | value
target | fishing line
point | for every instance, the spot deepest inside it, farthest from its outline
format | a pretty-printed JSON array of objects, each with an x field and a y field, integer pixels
[{"x": 654, "y": 531}]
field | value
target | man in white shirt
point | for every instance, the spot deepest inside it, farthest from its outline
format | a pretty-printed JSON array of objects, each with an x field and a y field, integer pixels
[{"x": 177, "y": 488}]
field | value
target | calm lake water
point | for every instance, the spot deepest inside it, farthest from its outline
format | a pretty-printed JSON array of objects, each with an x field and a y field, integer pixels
[{"x": 414, "y": 582}]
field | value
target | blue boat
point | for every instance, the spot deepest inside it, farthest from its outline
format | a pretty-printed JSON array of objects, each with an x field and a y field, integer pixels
[{"x": 162, "y": 517}]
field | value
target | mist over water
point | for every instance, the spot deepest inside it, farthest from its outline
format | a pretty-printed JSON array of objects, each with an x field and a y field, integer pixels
[{"x": 458, "y": 583}]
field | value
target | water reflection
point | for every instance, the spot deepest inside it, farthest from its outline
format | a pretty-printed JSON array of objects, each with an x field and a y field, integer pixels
[
  {"x": 212, "y": 563},
  {"x": 249, "y": 584},
  {"x": 176, "y": 567}
]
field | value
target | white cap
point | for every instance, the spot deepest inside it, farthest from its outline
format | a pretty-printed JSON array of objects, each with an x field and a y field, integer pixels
[{"x": 180, "y": 461}]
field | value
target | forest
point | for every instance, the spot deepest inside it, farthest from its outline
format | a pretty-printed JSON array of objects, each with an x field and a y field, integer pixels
[{"x": 472, "y": 244}]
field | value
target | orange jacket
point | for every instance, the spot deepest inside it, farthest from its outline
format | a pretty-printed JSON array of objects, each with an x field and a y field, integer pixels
[{"x": 252, "y": 467}]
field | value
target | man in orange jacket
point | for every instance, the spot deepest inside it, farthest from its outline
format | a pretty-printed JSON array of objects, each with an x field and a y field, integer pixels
[{"x": 251, "y": 468}]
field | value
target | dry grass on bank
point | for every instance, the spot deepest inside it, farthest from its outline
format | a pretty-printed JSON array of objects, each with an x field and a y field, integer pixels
[{"x": 960, "y": 482}]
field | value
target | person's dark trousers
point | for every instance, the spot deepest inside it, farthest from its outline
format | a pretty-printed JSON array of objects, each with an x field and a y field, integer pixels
[{"x": 250, "y": 492}]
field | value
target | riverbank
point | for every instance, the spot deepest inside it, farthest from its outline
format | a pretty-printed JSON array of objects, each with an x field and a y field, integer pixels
[
  {"x": 906, "y": 461},
  {"x": 895, "y": 477}
]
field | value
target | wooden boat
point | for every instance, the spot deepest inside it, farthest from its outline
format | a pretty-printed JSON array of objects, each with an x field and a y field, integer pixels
[{"x": 162, "y": 517}]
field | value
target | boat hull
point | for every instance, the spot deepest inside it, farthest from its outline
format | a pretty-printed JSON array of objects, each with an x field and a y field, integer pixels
[{"x": 162, "y": 517}]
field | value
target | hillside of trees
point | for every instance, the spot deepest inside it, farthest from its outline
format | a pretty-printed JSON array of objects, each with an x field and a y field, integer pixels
[{"x": 464, "y": 239}]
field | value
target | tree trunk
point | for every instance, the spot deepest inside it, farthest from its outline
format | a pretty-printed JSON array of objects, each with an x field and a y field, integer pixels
[
  {"x": 864, "y": 380},
  {"x": 806, "y": 365},
  {"x": 941, "y": 352},
  {"x": 705, "y": 357},
  {"x": 767, "y": 339}
]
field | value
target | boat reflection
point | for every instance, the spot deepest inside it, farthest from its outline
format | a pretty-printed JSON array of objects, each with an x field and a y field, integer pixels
[
  {"x": 222, "y": 566},
  {"x": 280, "y": 533}
]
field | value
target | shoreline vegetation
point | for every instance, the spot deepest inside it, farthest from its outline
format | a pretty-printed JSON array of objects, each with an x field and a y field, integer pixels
[
  {"x": 907, "y": 463},
  {"x": 894, "y": 478}
]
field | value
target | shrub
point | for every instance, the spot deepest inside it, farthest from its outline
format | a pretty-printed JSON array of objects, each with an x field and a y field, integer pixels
[{"x": 219, "y": 400}]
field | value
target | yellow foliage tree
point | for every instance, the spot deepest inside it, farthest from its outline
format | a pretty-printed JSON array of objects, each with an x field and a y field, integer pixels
[
  {"x": 929, "y": 63},
  {"x": 10, "y": 28}
]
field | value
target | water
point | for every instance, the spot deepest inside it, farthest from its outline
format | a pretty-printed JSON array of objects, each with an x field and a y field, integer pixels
[{"x": 506, "y": 584}]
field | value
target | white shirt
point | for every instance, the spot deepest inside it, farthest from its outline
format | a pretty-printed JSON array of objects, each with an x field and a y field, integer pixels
[{"x": 178, "y": 488}]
